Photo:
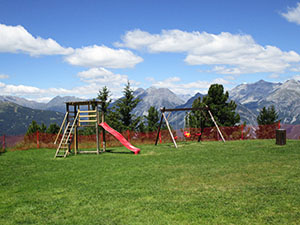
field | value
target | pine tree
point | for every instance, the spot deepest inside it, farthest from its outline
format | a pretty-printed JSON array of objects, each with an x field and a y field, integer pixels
[
  {"x": 267, "y": 116},
  {"x": 104, "y": 97},
  {"x": 222, "y": 109},
  {"x": 124, "y": 108},
  {"x": 43, "y": 128},
  {"x": 33, "y": 127},
  {"x": 152, "y": 119},
  {"x": 53, "y": 128}
]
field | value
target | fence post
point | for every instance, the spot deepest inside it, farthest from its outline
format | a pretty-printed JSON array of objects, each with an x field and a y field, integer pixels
[
  {"x": 102, "y": 139},
  {"x": 242, "y": 134},
  {"x": 160, "y": 141},
  {"x": 37, "y": 139},
  {"x": 128, "y": 135}
]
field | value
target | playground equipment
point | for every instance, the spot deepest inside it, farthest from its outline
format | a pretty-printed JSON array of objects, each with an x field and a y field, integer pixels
[
  {"x": 84, "y": 114},
  {"x": 186, "y": 134}
]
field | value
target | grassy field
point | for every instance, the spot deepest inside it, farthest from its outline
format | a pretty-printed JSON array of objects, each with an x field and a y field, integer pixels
[{"x": 240, "y": 182}]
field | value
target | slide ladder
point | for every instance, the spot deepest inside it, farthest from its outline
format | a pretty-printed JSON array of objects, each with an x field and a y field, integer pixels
[
  {"x": 119, "y": 136},
  {"x": 63, "y": 148}
]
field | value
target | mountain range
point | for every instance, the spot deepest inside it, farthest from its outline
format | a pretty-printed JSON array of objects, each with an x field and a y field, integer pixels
[{"x": 250, "y": 98}]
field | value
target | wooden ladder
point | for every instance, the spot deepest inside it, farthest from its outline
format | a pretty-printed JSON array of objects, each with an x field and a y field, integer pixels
[{"x": 63, "y": 148}]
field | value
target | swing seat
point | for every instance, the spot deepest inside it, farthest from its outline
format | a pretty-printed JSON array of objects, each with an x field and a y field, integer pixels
[
  {"x": 187, "y": 134},
  {"x": 198, "y": 134}
]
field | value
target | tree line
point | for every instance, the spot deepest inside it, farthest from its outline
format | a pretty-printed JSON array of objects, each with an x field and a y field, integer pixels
[{"x": 119, "y": 115}]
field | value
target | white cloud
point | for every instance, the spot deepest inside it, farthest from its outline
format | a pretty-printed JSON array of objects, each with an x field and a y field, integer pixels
[
  {"x": 4, "y": 76},
  {"x": 102, "y": 56},
  {"x": 176, "y": 85},
  {"x": 296, "y": 77},
  {"x": 9, "y": 89},
  {"x": 15, "y": 39},
  {"x": 93, "y": 80},
  {"x": 274, "y": 76},
  {"x": 293, "y": 14},
  {"x": 227, "y": 53}
]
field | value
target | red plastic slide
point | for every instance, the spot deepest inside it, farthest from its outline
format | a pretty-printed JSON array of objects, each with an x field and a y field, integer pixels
[{"x": 119, "y": 136}]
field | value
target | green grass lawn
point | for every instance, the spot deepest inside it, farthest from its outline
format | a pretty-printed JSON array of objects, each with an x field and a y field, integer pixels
[{"x": 240, "y": 182}]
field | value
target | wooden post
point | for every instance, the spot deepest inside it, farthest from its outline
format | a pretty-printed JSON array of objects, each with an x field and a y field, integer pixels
[
  {"x": 211, "y": 116},
  {"x": 97, "y": 130},
  {"x": 76, "y": 131},
  {"x": 280, "y": 137},
  {"x": 167, "y": 122},
  {"x": 103, "y": 133},
  {"x": 158, "y": 131},
  {"x": 75, "y": 140}
]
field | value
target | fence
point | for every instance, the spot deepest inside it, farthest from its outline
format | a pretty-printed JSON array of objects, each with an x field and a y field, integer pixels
[{"x": 44, "y": 140}]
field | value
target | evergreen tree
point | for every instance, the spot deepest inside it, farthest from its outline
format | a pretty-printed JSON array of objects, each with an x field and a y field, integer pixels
[
  {"x": 53, "y": 128},
  {"x": 196, "y": 118},
  {"x": 152, "y": 119},
  {"x": 141, "y": 127},
  {"x": 124, "y": 108},
  {"x": 217, "y": 101},
  {"x": 222, "y": 109},
  {"x": 43, "y": 128},
  {"x": 33, "y": 127},
  {"x": 267, "y": 116},
  {"x": 113, "y": 119},
  {"x": 104, "y": 97}
]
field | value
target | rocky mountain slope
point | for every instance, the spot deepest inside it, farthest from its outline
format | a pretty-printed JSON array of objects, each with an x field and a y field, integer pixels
[
  {"x": 285, "y": 97},
  {"x": 158, "y": 97}
]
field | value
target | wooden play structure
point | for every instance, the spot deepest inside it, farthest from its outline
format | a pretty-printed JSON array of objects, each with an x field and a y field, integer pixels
[
  {"x": 78, "y": 114},
  {"x": 84, "y": 114},
  {"x": 165, "y": 118}
]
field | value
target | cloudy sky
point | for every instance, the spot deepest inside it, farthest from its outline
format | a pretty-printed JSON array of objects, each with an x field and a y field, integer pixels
[{"x": 60, "y": 47}]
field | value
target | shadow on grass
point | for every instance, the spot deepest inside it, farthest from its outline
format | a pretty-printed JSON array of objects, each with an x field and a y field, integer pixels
[{"x": 117, "y": 152}]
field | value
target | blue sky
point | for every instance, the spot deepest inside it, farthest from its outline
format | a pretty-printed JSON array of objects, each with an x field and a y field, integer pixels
[{"x": 50, "y": 48}]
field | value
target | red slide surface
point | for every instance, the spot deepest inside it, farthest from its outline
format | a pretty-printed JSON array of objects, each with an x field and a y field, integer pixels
[{"x": 119, "y": 136}]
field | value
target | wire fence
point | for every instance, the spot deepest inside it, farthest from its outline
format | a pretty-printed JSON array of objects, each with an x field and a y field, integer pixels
[{"x": 45, "y": 140}]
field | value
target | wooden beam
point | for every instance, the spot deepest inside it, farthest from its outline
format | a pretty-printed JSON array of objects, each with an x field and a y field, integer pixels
[
  {"x": 160, "y": 123},
  {"x": 87, "y": 116},
  {"x": 88, "y": 111},
  {"x": 181, "y": 109},
  {"x": 167, "y": 122},
  {"x": 211, "y": 116}
]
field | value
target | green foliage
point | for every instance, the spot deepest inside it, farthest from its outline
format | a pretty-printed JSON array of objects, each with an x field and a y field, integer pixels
[
  {"x": 196, "y": 118},
  {"x": 152, "y": 119},
  {"x": 267, "y": 116},
  {"x": 43, "y": 128},
  {"x": 87, "y": 131},
  {"x": 222, "y": 109},
  {"x": 124, "y": 108},
  {"x": 113, "y": 119},
  {"x": 53, "y": 128},
  {"x": 141, "y": 127},
  {"x": 104, "y": 97},
  {"x": 240, "y": 182},
  {"x": 33, "y": 127}
]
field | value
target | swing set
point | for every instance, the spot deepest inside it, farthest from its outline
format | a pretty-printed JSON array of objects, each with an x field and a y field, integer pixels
[{"x": 185, "y": 133}]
